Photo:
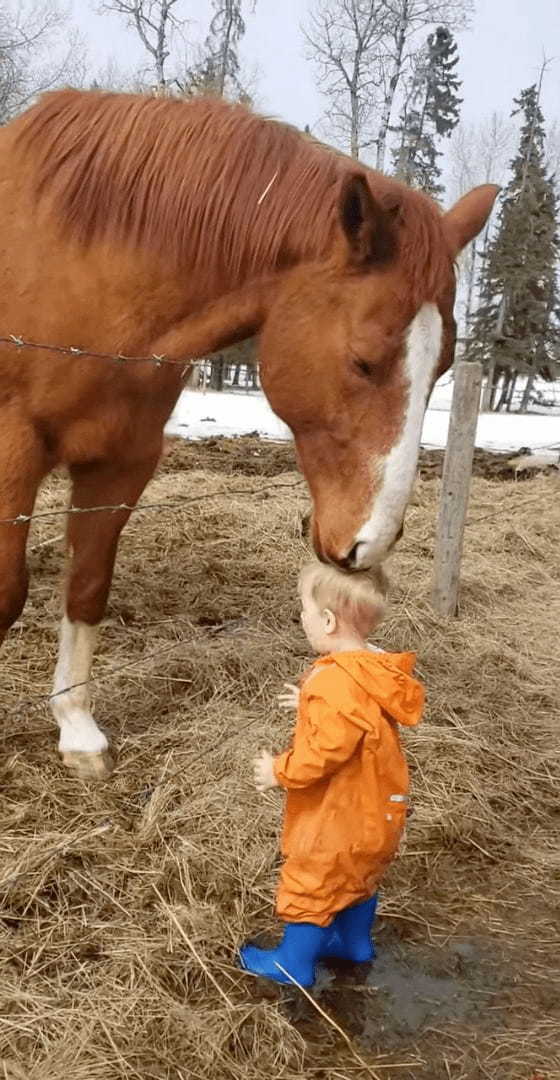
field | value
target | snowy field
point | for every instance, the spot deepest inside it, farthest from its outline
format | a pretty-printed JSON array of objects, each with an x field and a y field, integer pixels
[{"x": 199, "y": 415}]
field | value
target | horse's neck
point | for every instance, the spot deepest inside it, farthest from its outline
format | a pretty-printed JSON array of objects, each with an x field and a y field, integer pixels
[{"x": 233, "y": 317}]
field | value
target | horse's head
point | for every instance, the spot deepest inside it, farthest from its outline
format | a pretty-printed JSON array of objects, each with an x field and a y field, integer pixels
[{"x": 350, "y": 351}]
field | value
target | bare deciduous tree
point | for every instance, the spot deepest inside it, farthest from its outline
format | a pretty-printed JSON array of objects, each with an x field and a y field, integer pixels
[
  {"x": 38, "y": 51},
  {"x": 407, "y": 22},
  {"x": 477, "y": 155},
  {"x": 155, "y": 22},
  {"x": 480, "y": 154},
  {"x": 363, "y": 50},
  {"x": 344, "y": 39},
  {"x": 111, "y": 76}
]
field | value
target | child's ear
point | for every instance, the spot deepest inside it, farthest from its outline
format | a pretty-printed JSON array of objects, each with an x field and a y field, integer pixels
[{"x": 330, "y": 621}]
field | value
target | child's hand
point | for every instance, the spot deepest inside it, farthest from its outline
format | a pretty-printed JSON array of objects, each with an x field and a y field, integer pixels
[
  {"x": 289, "y": 699},
  {"x": 263, "y": 766}
]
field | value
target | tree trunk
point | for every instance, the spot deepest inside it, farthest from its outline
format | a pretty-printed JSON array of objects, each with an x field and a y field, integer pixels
[
  {"x": 161, "y": 56},
  {"x": 355, "y": 108},
  {"x": 354, "y": 128},
  {"x": 193, "y": 378},
  {"x": 419, "y": 136},
  {"x": 217, "y": 373},
  {"x": 236, "y": 373},
  {"x": 222, "y": 74},
  {"x": 505, "y": 391},
  {"x": 527, "y": 393},
  {"x": 497, "y": 376},
  {"x": 489, "y": 389},
  {"x": 470, "y": 284},
  {"x": 511, "y": 390},
  {"x": 159, "y": 50},
  {"x": 400, "y": 40}
]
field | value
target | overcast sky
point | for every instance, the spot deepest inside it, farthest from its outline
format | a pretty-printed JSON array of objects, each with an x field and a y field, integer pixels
[{"x": 500, "y": 54}]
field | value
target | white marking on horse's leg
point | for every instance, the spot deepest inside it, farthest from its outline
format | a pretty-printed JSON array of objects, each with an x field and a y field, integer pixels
[
  {"x": 71, "y": 706},
  {"x": 399, "y": 468}
]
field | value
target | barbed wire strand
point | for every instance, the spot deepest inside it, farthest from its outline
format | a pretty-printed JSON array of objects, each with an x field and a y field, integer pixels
[
  {"x": 18, "y": 342},
  {"x": 141, "y": 797},
  {"x": 171, "y": 505},
  {"x": 137, "y": 799},
  {"x": 175, "y": 504},
  {"x": 38, "y": 700},
  {"x": 144, "y": 794}
]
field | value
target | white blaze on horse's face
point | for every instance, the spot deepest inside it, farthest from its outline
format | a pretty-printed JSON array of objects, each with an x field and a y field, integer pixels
[{"x": 398, "y": 469}]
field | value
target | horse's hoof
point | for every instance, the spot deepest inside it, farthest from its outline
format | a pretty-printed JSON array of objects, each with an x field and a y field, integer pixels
[{"x": 89, "y": 766}]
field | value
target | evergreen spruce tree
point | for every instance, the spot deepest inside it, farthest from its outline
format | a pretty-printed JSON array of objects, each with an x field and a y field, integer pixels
[
  {"x": 218, "y": 72},
  {"x": 431, "y": 112},
  {"x": 515, "y": 330}
]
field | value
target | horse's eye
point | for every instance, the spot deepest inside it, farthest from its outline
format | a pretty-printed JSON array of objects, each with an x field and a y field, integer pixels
[{"x": 365, "y": 367}]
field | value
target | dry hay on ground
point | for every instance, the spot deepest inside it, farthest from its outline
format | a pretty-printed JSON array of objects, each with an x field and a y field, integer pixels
[
  {"x": 122, "y": 905},
  {"x": 252, "y": 456}
]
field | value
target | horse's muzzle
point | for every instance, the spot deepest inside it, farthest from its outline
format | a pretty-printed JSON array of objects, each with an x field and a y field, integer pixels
[{"x": 361, "y": 556}]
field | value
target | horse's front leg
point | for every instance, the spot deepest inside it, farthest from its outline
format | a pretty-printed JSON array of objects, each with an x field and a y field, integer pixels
[{"x": 92, "y": 546}]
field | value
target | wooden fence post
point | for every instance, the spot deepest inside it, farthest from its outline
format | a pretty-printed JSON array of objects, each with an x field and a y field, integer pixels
[{"x": 457, "y": 471}]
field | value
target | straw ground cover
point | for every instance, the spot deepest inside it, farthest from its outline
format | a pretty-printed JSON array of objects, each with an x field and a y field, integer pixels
[{"x": 121, "y": 905}]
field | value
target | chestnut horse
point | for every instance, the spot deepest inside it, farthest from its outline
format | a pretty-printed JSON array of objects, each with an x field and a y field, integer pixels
[{"x": 143, "y": 226}]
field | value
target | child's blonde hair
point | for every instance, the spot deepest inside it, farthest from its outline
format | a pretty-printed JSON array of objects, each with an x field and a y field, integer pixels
[{"x": 357, "y": 599}]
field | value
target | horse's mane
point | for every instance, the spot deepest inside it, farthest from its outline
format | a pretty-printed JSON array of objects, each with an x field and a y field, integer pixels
[{"x": 207, "y": 185}]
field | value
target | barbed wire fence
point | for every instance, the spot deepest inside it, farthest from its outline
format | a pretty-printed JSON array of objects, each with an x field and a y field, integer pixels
[
  {"x": 175, "y": 504},
  {"x": 38, "y": 702},
  {"x": 162, "y": 506},
  {"x": 18, "y": 342},
  {"x": 165, "y": 505},
  {"x": 199, "y": 366},
  {"x": 118, "y": 358}
]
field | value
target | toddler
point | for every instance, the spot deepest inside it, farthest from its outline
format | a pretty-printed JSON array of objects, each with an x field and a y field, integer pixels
[{"x": 345, "y": 776}]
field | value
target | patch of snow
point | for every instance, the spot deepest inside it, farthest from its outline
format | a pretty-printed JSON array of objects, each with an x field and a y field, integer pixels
[{"x": 199, "y": 415}]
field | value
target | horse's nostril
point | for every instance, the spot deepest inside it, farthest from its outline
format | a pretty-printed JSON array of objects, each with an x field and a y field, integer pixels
[
  {"x": 305, "y": 525},
  {"x": 352, "y": 556},
  {"x": 350, "y": 561}
]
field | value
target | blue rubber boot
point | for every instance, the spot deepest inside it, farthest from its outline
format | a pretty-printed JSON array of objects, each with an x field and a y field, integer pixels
[
  {"x": 350, "y": 934},
  {"x": 298, "y": 952}
]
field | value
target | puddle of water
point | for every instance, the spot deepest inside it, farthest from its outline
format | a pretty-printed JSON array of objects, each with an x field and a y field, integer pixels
[{"x": 410, "y": 987}]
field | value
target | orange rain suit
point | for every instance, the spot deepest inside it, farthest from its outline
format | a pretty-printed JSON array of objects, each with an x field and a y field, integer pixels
[{"x": 347, "y": 782}]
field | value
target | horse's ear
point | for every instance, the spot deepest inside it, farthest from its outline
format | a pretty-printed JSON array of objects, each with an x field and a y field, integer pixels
[
  {"x": 364, "y": 223},
  {"x": 469, "y": 216}
]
